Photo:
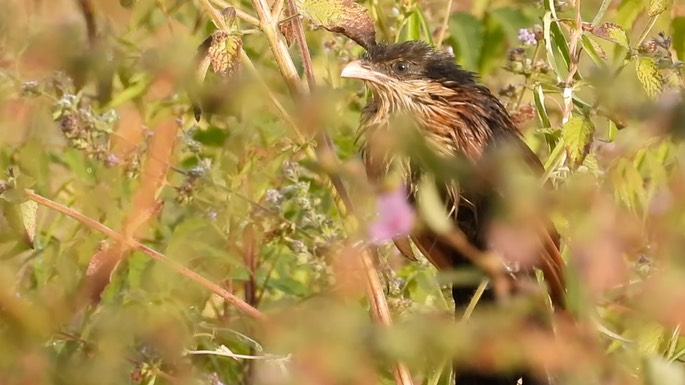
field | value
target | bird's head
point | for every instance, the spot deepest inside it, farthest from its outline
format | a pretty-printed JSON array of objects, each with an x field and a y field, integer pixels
[{"x": 404, "y": 66}]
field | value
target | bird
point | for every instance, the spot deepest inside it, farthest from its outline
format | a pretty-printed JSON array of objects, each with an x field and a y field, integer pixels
[{"x": 459, "y": 118}]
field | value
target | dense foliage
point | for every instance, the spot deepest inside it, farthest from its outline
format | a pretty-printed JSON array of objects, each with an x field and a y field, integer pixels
[{"x": 183, "y": 201}]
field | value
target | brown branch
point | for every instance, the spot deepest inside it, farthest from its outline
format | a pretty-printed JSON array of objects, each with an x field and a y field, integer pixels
[{"x": 202, "y": 281}]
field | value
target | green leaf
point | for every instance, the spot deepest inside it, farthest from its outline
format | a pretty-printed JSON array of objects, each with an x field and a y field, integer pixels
[
  {"x": 577, "y": 135},
  {"x": 678, "y": 33},
  {"x": 657, "y": 7},
  {"x": 501, "y": 27},
  {"x": 612, "y": 32},
  {"x": 628, "y": 11},
  {"x": 648, "y": 337},
  {"x": 432, "y": 207},
  {"x": 539, "y": 97},
  {"x": 212, "y": 136},
  {"x": 134, "y": 91},
  {"x": 411, "y": 27},
  {"x": 22, "y": 219},
  {"x": 594, "y": 50},
  {"x": 649, "y": 75},
  {"x": 466, "y": 36},
  {"x": 494, "y": 43},
  {"x": 555, "y": 41},
  {"x": 628, "y": 184}
]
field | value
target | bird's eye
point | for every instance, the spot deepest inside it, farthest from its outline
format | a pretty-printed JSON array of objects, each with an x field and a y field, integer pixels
[{"x": 401, "y": 66}]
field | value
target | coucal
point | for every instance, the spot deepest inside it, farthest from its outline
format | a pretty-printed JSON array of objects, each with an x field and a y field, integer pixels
[{"x": 459, "y": 118}]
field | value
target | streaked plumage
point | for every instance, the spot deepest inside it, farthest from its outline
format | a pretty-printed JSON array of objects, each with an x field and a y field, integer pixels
[{"x": 458, "y": 117}]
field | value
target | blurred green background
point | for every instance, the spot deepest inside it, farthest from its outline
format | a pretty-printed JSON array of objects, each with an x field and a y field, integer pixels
[{"x": 96, "y": 113}]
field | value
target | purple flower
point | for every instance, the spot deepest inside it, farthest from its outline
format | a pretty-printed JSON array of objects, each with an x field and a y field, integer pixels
[
  {"x": 212, "y": 215},
  {"x": 395, "y": 216},
  {"x": 273, "y": 196},
  {"x": 527, "y": 36},
  {"x": 112, "y": 160}
]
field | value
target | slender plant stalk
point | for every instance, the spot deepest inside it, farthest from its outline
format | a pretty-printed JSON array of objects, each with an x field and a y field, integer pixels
[
  {"x": 242, "y": 15},
  {"x": 575, "y": 49},
  {"x": 600, "y": 13},
  {"x": 133, "y": 244},
  {"x": 646, "y": 31},
  {"x": 445, "y": 24}
]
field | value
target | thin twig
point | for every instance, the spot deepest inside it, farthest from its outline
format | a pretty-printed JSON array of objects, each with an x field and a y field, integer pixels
[
  {"x": 445, "y": 24},
  {"x": 381, "y": 310},
  {"x": 298, "y": 29},
  {"x": 645, "y": 32},
  {"x": 242, "y": 15},
  {"x": 95, "y": 225},
  {"x": 527, "y": 81},
  {"x": 574, "y": 49}
]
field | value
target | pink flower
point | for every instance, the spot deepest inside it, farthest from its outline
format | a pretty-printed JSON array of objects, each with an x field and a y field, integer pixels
[{"x": 395, "y": 216}]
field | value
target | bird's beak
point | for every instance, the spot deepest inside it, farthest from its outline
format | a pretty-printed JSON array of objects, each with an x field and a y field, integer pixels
[{"x": 358, "y": 70}]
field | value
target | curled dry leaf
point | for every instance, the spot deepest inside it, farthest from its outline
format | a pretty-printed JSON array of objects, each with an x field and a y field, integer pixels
[{"x": 341, "y": 16}]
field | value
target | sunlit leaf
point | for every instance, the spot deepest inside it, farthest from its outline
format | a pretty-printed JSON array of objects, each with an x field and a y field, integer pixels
[
  {"x": 22, "y": 218},
  {"x": 555, "y": 42},
  {"x": 577, "y": 135},
  {"x": 224, "y": 53},
  {"x": 341, "y": 16},
  {"x": 539, "y": 98},
  {"x": 649, "y": 75},
  {"x": 612, "y": 32},
  {"x": 657, "y": 7},
  {"x": 594, "y": 50},
  {"x": 135, "y": 90}
]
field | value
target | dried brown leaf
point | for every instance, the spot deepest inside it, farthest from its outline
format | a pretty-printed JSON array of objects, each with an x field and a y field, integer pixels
[{"x": 288, "y": 32}]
